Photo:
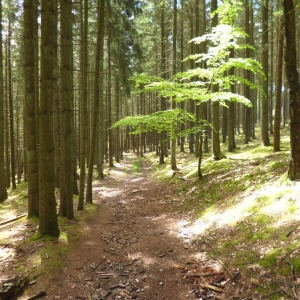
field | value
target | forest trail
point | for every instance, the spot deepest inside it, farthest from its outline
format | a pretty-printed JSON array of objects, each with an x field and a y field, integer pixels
[{"x": 133, "y": 247}]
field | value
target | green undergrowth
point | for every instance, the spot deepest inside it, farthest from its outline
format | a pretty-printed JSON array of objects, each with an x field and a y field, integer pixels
[
  {"x": 44, "y": 254},
  {"x": 245, "y": 205}
]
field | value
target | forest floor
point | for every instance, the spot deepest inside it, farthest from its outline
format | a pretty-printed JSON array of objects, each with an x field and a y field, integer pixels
[{"x": 233, "y": 235}]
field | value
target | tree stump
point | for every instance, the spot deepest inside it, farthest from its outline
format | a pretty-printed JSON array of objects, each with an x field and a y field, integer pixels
[{"x": 11, "y": 287}]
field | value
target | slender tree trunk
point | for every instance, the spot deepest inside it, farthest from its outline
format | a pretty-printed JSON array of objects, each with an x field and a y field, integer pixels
[
  {"x": 66, "y": 98},
  {"x": 48, "y": 221},
  {"x": 163, "y": 104},
  {"x": 231, "y": 114},
  {"x": 247, "y": 120},
  {"x": 99, "y": 48},
  {"x": 30, "y": 110},
  {"x": 3, "y": 192},
  {"x": 277, "y": 117},
  {"x": 174, "y": 58},
  {"x": 101, "y": 140},
  {"x": 6, "y": 120},
  {"x": 197, "y": 50},
  {"x": 265, "y": 57},
  {"x": 182, "y": 126},
  {"x": 191, "y": 102},
  {"x": 117, "y": 130},
  {"x": 109, "y": 102},
  {"x": 215, "y": 105},
  {"x": 11, "y": 111},
  {"x": 83, "y": 106}
]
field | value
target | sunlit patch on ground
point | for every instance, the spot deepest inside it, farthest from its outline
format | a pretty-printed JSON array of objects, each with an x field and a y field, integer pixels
[
  {"x": 137, "y": 179},
  {"x": 279, "y": 203},
  {"x": 109, "y": 192},
  {"x": 6, "y": 252}
]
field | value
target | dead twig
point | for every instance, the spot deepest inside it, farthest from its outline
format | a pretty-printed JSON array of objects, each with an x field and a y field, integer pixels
[
  {"x": 203, "y": 274},
  {"x": 211, "y": 287},
  {"x": 273, "y": 293},
  {"x": 294, "y": 278},
  {"x": 292, "y": 230},
  {"x": 220, "y": 262},
  {"x": 13, "y": 219}
]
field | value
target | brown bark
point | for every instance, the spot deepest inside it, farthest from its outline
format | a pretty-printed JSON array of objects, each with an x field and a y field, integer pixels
[
  {"x": 30, "y": 110},
  {"x": 66, "y": 112},
  {"x": 277, "y": 117},
  {"x": 265, "y": 57},
  {"x": 99, "y": 49},
  {"x": 48, "y": 221},
  {"x": 3, "y": 192},
  {"x": 294, "y": 88}
]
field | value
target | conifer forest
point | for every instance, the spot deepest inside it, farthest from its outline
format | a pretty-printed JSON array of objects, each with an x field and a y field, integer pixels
[{"x": 149, "y": 149}]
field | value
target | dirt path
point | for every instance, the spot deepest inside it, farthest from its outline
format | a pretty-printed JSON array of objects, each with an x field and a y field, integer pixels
[{"x": 134, "y": 246}]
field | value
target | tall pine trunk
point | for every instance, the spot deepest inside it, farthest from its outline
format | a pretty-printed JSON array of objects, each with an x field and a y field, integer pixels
[
  {"x": 3, "y": 192},
  {"x": 48, "y": 221},
  {"x": 294, "y": 88},
  {"x": 30, "y": 110},
  {"x": 99, "y": 48},
  {"x": 215, "y": 104},
  {"x": 66, "y": 98},
  {"x": 83, "y": 106},
  {"x": 277, "y": 117},
  {"x": 265, "y": 57}
]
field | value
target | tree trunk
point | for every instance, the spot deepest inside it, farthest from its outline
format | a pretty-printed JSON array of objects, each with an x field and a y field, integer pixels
[
  {"x": 48, "y": 221},
  {"x": 215, "y": 104},
  {"x": 109, "y": 101},
  {"x": 182, "y": 105},
  {"x": 30, "y": 109},
  {"x": 247, "y": 120},
  {"x": 163, "y": 104},
  {"x": 3, "y": 192},
  {"x": 83, "y": 107},
  {"x": 294, "y": 88},
  {"x": 174, "y": 58},
  {"x": 99, "y": 48},
  {"x": 191, "y": 103},
  {"x": 277, "y": 117},
  {"x": 265, "y": 57},
  {"x": 11, "y": 111},
  {"x": 66, "y": 98},
  {"x": 231, "y": 114}
]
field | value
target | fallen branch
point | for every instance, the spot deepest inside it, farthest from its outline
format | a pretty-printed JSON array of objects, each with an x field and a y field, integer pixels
[
  {"x": 211, "y": 287},
  {"x": 292, "y": 230},
  {"x": 203, "y": 274},
  {"x": 113, "y": 253},
  {"x": 13, "y": 219},
  {"x": 294, "y": 278}
]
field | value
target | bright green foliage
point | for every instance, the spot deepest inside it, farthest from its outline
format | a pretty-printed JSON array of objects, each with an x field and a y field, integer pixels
[
  {"x": 158, "y": 121},
  {"x": 195, "y": 83},
  {"x": 211, "y": 69}
]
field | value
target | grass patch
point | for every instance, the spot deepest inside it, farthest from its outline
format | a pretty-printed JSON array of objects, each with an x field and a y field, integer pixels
[{"x": 246, "y": 206}]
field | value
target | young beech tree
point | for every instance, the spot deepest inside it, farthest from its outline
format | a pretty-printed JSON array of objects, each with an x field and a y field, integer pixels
[{"x": 196, "y": 83}]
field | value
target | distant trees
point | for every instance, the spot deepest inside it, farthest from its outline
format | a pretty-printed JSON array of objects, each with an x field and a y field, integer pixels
[{"x": 86, "y": 93}]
